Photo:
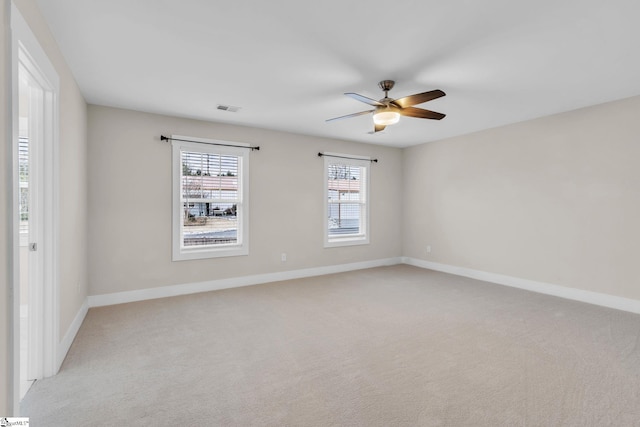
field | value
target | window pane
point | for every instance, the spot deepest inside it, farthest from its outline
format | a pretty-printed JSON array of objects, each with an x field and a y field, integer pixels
[
  {"x": 221, "y": 227},
  {"x": 344, "y": 218},
  {"x": 23, "y": 164},
  {"x": 346, "y": 192},
  {"x": 344, "y": 183},
  {"x": 210, "y": 199},
  {"x": 345, "y": 199}
]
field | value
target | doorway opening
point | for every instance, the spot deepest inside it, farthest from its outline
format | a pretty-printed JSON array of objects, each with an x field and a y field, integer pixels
[{"x": 34, "y": 205}]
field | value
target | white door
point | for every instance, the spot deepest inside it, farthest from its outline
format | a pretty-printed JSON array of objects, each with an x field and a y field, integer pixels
[{"x": 30, "y": 140}]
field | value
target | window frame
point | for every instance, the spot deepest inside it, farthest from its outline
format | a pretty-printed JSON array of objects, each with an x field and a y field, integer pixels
[
  {"x": 203, "y": 145},
  {"x": 365, "y": 218}
]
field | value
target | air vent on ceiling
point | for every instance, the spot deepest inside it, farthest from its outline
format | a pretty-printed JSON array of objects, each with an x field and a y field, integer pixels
[{"x": 229, "y": 108}]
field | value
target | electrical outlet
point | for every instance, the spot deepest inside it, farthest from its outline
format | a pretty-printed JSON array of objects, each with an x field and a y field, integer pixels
[
  {"x": 283, "y": 257},
  {"x": 428, "y": 249}
]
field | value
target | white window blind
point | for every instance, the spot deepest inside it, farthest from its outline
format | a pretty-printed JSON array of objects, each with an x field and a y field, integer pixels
[
  {"x": 210, "y": 201},
  {"x": 23, "y": 165},
  {"x": 346, "y": 201}
]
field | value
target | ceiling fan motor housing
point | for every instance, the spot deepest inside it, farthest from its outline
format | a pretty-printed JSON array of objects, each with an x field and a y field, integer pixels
[{"x": 386, "y": 85}]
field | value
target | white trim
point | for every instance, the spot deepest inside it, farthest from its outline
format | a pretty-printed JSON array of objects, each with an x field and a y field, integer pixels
[
  {"x": 67, "y": 340},
  {"x": 14, "y": 227},
  {"x": 30, "y": 43},
  {"x": 234, "y": 282},
  {"x": 590, "y": 297}
]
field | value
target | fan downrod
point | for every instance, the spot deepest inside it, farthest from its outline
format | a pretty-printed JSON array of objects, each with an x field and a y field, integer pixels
[{"x": 386, "y": 86}]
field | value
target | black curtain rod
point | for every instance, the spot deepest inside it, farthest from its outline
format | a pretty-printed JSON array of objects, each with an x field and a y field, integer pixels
[
  {"x": 166, "y": 138},
  {"x": 344, "y": 157}
]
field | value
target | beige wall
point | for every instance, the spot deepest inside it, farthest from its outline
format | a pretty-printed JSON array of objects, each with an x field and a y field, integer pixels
[
  {"x": 4, "y": 203},
  {"x": 73, "y": 178},
  {"x": 555, "y": 200},
  {"x": 130, "y": 202},
  {"x": 73, "y": 174}
]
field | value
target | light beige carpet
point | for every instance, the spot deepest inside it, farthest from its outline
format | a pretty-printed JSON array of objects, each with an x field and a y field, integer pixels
[{"x": 392, "y": 346}]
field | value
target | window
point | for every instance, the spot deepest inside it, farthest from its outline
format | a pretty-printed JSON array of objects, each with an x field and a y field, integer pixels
[
  {"x": 210, "y": 199},
  {"x": 346, "y": 200}
]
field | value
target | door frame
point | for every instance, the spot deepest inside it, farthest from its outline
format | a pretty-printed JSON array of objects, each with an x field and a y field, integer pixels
[{"x": 26, "y": 50}]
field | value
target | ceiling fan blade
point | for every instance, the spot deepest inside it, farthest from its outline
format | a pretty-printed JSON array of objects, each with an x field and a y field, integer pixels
[
  {"x": 364, "y": 99},
  {"x": 350, "y": 115},
  {"x": 418, "y": 98},
  {"x": 421, "y": 113},
  {"x": 378, "y": 128}
]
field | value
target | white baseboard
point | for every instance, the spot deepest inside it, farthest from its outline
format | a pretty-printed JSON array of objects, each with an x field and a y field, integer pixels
[
  {"x": 67, "y": 340},
  {"x": 234, "y": 282},
  {"x": 596, "y": 298}
]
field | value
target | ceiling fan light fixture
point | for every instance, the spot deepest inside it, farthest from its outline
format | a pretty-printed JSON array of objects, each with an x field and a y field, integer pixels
[{"x": 386, "y": 116}]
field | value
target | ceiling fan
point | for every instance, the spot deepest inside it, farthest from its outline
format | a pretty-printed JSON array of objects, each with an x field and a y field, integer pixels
[{"x": 389, "y": 110}]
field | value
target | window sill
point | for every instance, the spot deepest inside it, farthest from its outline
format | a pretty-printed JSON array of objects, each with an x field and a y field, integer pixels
[
  {"x": 346, "y": 241},
  {"x": 191, "y": 254}
]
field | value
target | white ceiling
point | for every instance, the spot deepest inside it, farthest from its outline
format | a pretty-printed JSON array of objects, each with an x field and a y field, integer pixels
[{"x": 287, "y": 63}]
